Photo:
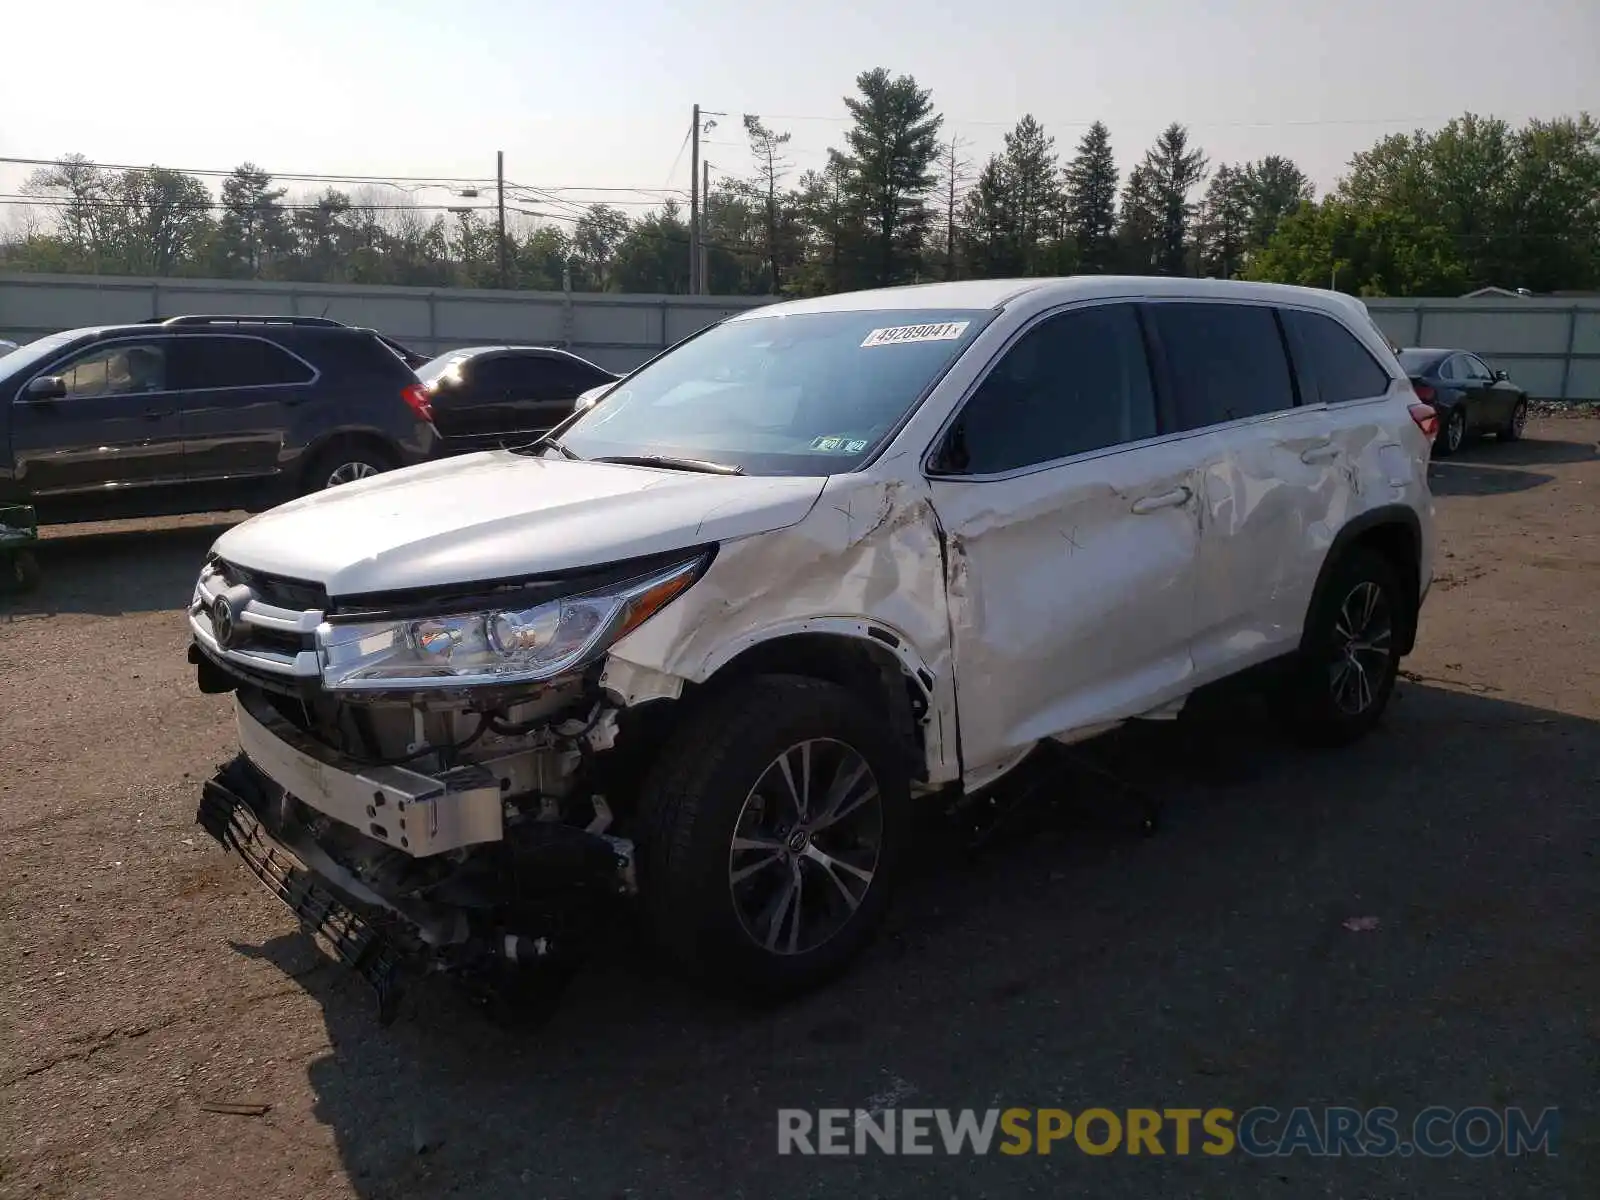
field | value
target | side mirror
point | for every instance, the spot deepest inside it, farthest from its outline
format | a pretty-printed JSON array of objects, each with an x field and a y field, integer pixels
[
  {"x": 1501, "y": 376},
  {"x": 46, "y": 387}
]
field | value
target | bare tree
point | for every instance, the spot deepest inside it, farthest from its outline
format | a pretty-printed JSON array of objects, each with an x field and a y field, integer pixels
[{"x": 954, "y": 173}]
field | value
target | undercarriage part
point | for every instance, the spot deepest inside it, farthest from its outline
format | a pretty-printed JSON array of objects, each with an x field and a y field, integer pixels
[
  {"x": 530, "y": 904},
  {"x": 1039, "y": 785}
]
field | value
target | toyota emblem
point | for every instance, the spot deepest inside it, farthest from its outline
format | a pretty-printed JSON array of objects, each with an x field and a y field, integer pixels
[{"x": 222, "y": 622}]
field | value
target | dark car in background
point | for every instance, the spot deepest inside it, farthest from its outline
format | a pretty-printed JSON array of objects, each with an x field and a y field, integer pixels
[
  {"x": 203, "y": 413},
  {"x": 1470, "y": 397},
  {"x": 487, "y": 396}
]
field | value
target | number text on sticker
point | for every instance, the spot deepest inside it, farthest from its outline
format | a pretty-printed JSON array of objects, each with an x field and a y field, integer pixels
[{"x": 946, "y": 331}]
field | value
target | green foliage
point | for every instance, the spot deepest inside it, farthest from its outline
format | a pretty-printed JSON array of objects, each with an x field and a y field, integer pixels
[{"x": 1090, "y": 199}]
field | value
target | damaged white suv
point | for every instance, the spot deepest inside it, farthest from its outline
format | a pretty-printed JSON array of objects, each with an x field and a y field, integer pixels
[{"x": 705, "y": 645}]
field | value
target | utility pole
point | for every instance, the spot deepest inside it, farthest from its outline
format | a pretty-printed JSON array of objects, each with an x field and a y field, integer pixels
[
  {"x": 705, "y": 208},
  {"x": 694, "y": 205},
  {"x": 500, "y": 192}
]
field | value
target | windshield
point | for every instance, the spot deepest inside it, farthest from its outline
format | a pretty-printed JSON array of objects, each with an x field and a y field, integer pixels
[
  {"x": 21, "y": 360},
  {"x": 796, "y": 394}
]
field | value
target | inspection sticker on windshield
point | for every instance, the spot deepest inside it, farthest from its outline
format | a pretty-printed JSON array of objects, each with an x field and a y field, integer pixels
[
  {"x": 839, "y": 445},
  {"x": 947, "y": 331}
]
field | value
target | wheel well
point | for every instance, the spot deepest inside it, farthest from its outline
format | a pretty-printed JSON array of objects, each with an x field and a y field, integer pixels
[
  {"x": 865, "y": 668},
  {"x": 356, "y": 440},
  {"x": 1398, "y": 543}
]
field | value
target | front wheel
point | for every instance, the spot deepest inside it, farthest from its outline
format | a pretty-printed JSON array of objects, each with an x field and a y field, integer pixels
[
  {"x": 1517, "y": 424},
  {"x": 772, "y": 828},
  {"x": 1350, "y": 656}
]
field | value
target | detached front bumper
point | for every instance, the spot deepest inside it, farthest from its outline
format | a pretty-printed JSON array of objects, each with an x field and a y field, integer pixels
[{"x": 244, "y": 816}]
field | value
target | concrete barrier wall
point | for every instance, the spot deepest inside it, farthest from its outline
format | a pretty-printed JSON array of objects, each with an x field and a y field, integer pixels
[
  {"x": 1549, "y": 346},
  {"x": 616, "y": 331}
]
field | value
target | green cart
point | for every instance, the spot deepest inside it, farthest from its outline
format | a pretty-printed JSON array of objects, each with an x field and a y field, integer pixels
[{"x": 19, "y": 530}]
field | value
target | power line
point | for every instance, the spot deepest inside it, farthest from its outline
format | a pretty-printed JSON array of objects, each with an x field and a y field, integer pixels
[
  {"x": 1318, "y": 121},
  {"x": 292, "y": 176}
]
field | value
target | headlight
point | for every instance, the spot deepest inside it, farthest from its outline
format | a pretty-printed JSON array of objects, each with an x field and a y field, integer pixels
[{"x": 495, "y": 646}]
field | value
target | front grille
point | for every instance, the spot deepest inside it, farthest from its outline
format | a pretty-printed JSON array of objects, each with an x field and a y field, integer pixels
[{"x": 280, "y": 591}]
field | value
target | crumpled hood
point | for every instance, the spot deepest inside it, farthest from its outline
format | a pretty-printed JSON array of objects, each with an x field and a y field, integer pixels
[{"x": 494, "y": 515}]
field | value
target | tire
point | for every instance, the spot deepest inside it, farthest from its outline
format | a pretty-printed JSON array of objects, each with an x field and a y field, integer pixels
[
  {"x": 1338, "y": 694},
  {"x": 719, "y": 911},
  {"x": 1512, "y": 430},
  {"x": 1452, "y": 433},
  {"x": 352, "y": 459}
]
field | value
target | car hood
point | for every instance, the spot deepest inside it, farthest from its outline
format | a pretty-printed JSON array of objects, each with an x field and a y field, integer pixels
[{"x": 498, "y": 515}]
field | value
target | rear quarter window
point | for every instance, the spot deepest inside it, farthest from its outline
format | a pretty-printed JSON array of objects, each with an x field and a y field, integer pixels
[
  {"x": 353, "y": 356},
  {"x": 1333, "y": 366}
]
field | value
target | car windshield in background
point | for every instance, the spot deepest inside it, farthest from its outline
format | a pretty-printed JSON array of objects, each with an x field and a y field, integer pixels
[
  {"x": 1415, "y": 362},
  {"x": 795, "y": 394}
]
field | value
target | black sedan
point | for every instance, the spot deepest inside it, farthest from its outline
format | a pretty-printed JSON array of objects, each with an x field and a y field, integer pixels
[
  {"x": 488, "y": 396},
  {"x": 1470, "y": 397}
]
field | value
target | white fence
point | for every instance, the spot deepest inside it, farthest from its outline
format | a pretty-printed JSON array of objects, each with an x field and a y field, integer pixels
[
  {"x": 1549, "y": 346},
  {"x": 616, "y": 331}
]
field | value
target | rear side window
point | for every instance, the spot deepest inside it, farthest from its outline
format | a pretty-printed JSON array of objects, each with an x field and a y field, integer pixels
[
  {"x": 1333, "y": 364},
  {"x": 525, "y": 375},
  {"x": 234, "y": 362},
  {"x": 1073, "y": 383},
  {"x": 1226, "y": 361},
  {"x": 353, "y": 355}
]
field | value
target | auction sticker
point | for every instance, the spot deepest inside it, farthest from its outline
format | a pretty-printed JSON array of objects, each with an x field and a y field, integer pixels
[{"x": 897, "y": 335}]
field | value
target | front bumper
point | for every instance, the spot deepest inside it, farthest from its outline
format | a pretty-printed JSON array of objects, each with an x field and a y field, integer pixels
[
  {"x": 374, "y": 942},
  {"x": 407, "y": 810}
]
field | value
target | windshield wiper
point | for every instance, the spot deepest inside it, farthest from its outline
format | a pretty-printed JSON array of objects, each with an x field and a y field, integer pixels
[
  {"x": 543, "y": 442},
  {"x": 672, "y": 464}
]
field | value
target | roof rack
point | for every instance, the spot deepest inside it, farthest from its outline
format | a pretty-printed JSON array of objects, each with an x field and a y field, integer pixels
[{"x": 244, "y": 319}]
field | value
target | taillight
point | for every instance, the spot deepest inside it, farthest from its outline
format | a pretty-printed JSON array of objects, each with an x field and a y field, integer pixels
[
  {"x": 1427, "y": 420},
  {"x": 1424, "y": 392},
  {"x": 416, "y": 396}
]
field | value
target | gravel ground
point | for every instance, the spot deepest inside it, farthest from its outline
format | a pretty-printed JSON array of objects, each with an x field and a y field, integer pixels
[{"x": 146, "y": 978}]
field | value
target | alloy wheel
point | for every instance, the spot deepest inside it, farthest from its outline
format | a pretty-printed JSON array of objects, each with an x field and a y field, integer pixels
[
  {"x": 1519, "y": 418},
  {"x": 1455, "y": 431},
  {"x": 350, "y": 472},
  {"x": 806, "y": 846},
  {"x": 1363, "y": 644}
]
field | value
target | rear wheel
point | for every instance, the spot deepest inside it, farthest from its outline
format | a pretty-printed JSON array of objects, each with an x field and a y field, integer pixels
[
  {"x": 346, "y": 462},
  {"x": 1517, "y": 424},
  {"x": 1452, "y": 433},
  {"x": 1350, "y": 657},
  {"x": 772, "y": 830}
]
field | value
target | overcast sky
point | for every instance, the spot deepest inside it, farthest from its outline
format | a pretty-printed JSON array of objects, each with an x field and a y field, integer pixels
[{"x": 598, "y": 94}]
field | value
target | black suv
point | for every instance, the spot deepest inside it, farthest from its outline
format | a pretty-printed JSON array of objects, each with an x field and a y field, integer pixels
[{"x": 203, "y": 413}]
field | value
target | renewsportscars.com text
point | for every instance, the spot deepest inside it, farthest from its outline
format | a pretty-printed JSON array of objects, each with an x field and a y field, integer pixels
[{"x": 1330, "y": 1132}]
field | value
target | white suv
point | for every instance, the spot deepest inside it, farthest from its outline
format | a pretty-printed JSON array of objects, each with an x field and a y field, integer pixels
[{"x": 706, "y": 644}]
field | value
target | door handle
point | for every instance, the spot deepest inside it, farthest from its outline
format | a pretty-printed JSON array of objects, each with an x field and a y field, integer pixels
[
  {"x": 153, "y": 414},
  {"x": 1326, "y": 452},
  {"x": 1172, "y": 499}
]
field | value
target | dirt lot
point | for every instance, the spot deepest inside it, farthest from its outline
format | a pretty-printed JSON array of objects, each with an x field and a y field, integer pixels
[{"x": 146, "y": 977}]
